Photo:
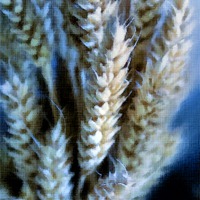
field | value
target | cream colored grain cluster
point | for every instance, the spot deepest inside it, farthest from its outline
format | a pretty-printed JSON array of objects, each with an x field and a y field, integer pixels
[{"x": 88, "y": 89}]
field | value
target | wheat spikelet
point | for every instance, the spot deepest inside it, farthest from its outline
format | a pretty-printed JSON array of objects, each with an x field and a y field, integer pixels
[
  {"x": 146, "y": 15},
  {"x": 173, "y": 41},
  {"x": 109, "y": 187},
  {"x": 20, "y": 105},
  {"x": 54, "y": 177},
  {"x": 103, "y": 100}
]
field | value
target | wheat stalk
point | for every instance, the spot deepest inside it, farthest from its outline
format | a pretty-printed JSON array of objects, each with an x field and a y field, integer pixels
[{"x": 54, "y": 176}]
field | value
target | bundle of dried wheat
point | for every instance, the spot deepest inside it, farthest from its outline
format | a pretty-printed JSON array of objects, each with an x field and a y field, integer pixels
[{"x": 88, "y": 88}]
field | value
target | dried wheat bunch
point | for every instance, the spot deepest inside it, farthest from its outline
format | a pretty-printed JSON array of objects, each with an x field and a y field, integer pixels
[{"x": 88, "y": 89}]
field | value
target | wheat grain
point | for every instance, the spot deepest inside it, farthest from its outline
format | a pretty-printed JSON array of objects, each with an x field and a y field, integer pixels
[{"x": 27, "y": 192}]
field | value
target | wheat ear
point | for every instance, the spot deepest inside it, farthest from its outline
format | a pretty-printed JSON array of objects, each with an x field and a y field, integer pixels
[
  {"x": 135, "y": 183},
  {"x": 103, "y": 100},
  {"x": 109, "y": 187},
  {"x": 54, "y": 177},
  {"x": 154, "y": 98},
  {"x": 20, "y": 105},
  {"x": 146, "y": 15}
]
